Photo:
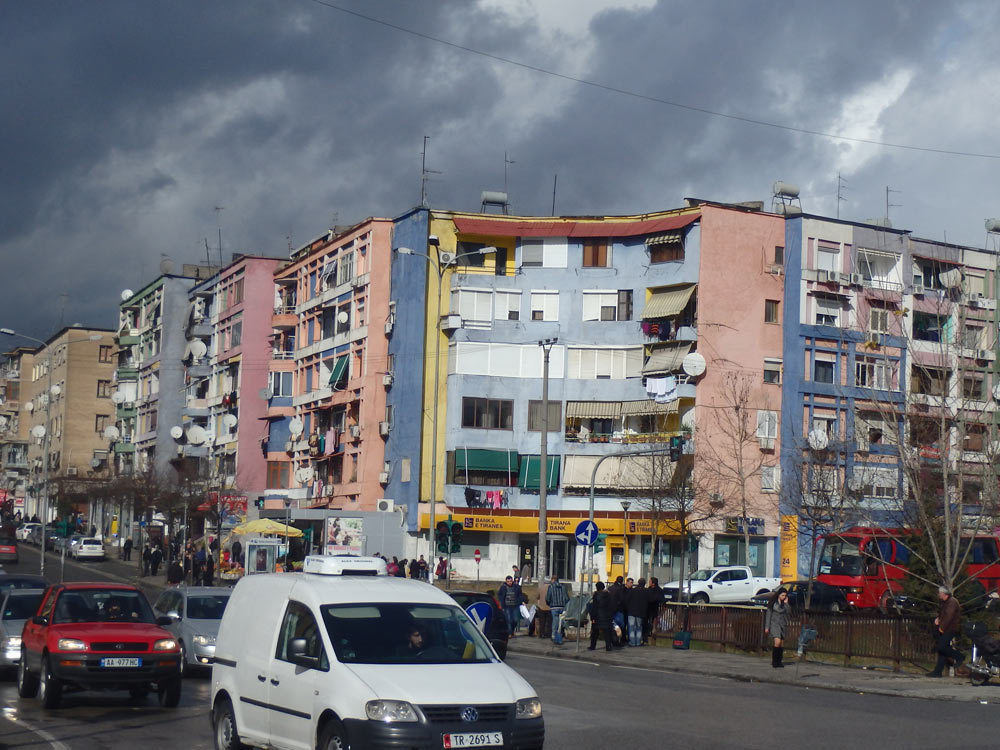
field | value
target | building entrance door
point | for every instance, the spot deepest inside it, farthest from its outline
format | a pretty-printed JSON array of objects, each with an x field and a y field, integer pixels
[{"x": 560, "y": 562}]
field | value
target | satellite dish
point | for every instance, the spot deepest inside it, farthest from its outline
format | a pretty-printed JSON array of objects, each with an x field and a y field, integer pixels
[
  {"x": 176, "y": 432},
  {"x": 166, "y": 266},
  {"x": 229, "y": 420},
  {"x": 196, "y": 435},
  {"x": 29, "y": 406},
  {"x": 295, "y": 426},
  {"x": 56, "y": 390},
  {"x": 343, "y": 317},
  {"x": 38, "y": 431},
  {"x": 687, "y": 419},
  {"x": 95, "y": 463},
  {"x": 198, "y": 348},
  {"x": 118, "y": 397},
  {"x": 111, "y": 432},
  {"x": 267, "y": 394},
  {"x": 818, "y": 440},
  {"x": 693, "y": 364},
  {"x": 127, "y": 295}
]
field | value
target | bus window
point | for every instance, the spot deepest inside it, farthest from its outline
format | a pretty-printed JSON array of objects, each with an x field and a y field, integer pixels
[
  {"x": 840, "y": 557},
  {"x": 902, "y": 554},
  {"x": 984, "y": 551}
]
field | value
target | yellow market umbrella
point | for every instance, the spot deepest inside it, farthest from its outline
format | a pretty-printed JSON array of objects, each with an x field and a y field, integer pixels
[{"x": 267, "y": 526}]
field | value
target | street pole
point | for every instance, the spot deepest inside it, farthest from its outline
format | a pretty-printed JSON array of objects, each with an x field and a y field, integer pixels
[
  {"x": 542, "y": 557},
  {"x": 626, "y": 504}
]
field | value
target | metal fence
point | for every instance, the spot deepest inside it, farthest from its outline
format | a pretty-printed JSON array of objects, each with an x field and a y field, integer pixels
[{"x": 851, "y": 635}]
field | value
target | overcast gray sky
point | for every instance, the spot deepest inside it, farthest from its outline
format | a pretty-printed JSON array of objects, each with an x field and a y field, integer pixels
[{"x": 126, "y": 123}]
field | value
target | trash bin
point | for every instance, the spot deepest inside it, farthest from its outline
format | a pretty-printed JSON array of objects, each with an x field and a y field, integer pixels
[{"x": 682, "y": 639}]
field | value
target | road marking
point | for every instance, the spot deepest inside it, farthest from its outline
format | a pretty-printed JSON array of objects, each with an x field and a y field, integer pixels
[
  {"x": 53, "y": 742},
  {"x": 556, "y": 658}
]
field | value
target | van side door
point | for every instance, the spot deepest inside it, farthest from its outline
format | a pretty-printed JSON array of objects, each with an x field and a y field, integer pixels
[{"x": 291, "y": 680}]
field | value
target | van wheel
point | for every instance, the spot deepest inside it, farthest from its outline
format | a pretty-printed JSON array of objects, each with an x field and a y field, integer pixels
[
  {"x": 699, "y": 599},
  {"x": 333, "y": 737},
  {"x": 227, "y": 737},
  {"x": 50, "y": 687},
  {"x": 27, "y": 683},
  {"x": 169, "y": 692}
]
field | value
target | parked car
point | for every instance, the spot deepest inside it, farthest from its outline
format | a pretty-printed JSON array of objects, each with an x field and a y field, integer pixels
[
  {"x": 8, "y": 549},
  {"x": 20, "y": 581},
  {"x": 732, "y": 584},
  {"x": 195, "y": 613},
  {"x": 494, "y": 626},
  {"x": 97, "y": 636},
  {"x": 66, "y": 543},
  {"x": 16, "y": 606},
  {"x": 88, "y": 548},
  {"x": 23, "y": 532},
  {"x": 825, "y": 598},
  {"x": 50, "y": 537}
]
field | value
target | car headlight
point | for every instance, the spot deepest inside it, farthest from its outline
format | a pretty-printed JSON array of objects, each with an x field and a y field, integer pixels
[
  {"x": 528, "y": 708},
  {"x": 391, "y": 711},
  {"x": 71, "y": 644},
  {"x": 12, "y": 642},
  {"x": 165, "y": 644},
  {"x": 204, "y": 640}
]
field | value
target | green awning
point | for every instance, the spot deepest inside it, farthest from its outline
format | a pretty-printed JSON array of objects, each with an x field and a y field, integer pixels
[
  {"x": 339, "y": 368},
  {"x": 528, "y": 477},
  {"x": 479, "y": 459},
  {"x": 667, "y": 303}
]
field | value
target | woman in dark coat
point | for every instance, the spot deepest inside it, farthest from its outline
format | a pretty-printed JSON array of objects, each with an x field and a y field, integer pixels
[
  {"x": 601, "y": 611},
  {"x": 776, "y": 625}
]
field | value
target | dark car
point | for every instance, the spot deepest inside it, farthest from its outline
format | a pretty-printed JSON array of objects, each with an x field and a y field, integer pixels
[
  {"x": 825, "y": 598},
  {"x": 493, "y": 625},
  {"x": 20, "y": 581}
]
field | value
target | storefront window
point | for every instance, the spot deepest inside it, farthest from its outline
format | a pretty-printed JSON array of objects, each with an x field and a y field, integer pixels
[{"x": 731, "y": 550}]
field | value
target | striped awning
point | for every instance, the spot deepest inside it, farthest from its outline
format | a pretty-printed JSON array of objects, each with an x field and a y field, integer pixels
[
  {"x": 668, "y": 303},
  {"x": 642, "y": 408},
  {"x": 665, "y": 239},
  {"x": 594, "y": 409},
  {"x": 665, "y": 359}
]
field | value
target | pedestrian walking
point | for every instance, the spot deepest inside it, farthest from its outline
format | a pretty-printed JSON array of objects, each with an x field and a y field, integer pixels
[
  {"x": 422, "y": 572},
  {"x": 776, "y": 625},
  {"x": 654, "y": 597},
  {"x": 442, "y": 569},
  {"x": 127, "y": 550},
  {"x": 600, "y": 611},
  {"x": 147, "y": 557},
  {"x": 556, "y": 597},
  {"x": 155, "y": 558},
  {"x": 175, "y": 573},
  {"x": 509, "y": 595},
  {"x": 617, "y": 592},
  {"x": 209, "y": 575},
  {"x": 543, "y": 613},
  {"x": 636, "y": 608},
  {"x": 946, "y": 623}
]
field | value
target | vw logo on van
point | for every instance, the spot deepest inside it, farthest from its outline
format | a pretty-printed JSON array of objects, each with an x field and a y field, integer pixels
[{"x": 469, "y": 713}]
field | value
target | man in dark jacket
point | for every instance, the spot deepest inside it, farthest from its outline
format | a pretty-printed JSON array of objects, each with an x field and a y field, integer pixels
[
  {"x": 654, "y": 598},
  {"x": 509, "y": 596},
  {"x": 636, "y": 607},
  {"x": 600, "y": 611},
  {"x": 556, "y": 597},
  {"x": 947, "y": 622},
  {"x": 617, "y": 592}
]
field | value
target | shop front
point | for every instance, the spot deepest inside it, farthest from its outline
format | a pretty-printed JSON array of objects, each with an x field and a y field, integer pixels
[{"x": 731, "y": 545}]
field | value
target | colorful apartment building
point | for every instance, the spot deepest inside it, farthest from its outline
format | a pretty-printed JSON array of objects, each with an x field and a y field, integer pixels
[{"x": 14, "y": 426}]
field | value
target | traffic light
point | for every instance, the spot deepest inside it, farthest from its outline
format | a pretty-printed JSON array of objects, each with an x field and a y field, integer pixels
[
  {"x": 456, "y": 536},
  {"x": 599, "y": 543},
  {"x": 441, "y": 533},
  {"x": 676, "y": 446},
  {"x": 259, "y": 502}
]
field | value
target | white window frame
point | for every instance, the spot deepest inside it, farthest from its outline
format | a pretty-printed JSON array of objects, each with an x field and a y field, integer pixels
[
  {"x": 603, "y": 363},
  {"x": 767, "y": 423},
  {"x": 878, "y": 320},
  {"x": 828, "y": 258},
  {"x": 345, "y": 268},
  {"x": 474, "y": 306},
  {"x": 828, "y": 307},
  {"x": 547, "y": 252},
  {"x": 507, "y": 302},
  {"x": 594, "y": 300},
  {"x": 772, "y": 364},
  {"x": 770, "y": 478},
  {"x": 546, "y": 302},
  {"x": 878, "y": 375}
]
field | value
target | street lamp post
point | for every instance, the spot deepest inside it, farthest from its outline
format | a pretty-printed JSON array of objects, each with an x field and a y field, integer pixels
[
  {"x": 626, "y": 504},
  {"x": 543, "y": 469},
  {"x": 46, "y": 437},
  {"x": 441, "y": 261}
]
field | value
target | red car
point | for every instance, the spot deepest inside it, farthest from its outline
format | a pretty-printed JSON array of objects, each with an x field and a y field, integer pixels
[
  {"x": 97, "y": 636},
  {"x": 8, "y": 548}
]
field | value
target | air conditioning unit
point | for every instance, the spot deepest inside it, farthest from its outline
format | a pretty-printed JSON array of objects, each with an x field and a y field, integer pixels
[
  {"x": 383, "y": 428},
  {"x": 387, "y": 379},
  {"x": 766, "y": 443},
  {"x": 777, "y": 269},
  {"x": 355, "y": 430},
  {"x": 385, "y": 505},
  {"x": 987, "y": 303},
  {"x": 451, "y": 322},
  {"x": 857, "y": 279},
  {"x": 388, "y": 326},
  {"x": 918, "y": 290},
  {"x": 986, "y": 354},
  {"x": 383, "y": 478},
  {"x": 72, "y": 471},
  {"x": 446, "y": 259}
]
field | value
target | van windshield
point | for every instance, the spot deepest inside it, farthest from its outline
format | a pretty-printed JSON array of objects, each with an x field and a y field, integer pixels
[{"x": 404, "y": 634}]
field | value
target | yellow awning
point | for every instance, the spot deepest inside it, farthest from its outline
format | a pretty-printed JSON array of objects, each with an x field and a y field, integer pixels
[
  {"x": 665, "y": 359},
  {"x": 637, "y": 408},
  {"x": 594, "y": 409},
  {"x": 668, "y": 303}
]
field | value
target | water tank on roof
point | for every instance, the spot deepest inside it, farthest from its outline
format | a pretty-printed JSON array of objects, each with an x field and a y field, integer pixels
[
  {"x": 786, "y": 189},
  {"x": 993, "y": 225}
]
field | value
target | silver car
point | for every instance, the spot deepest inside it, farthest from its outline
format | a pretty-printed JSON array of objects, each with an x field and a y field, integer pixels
[
  {"x": 16, "y": 606},
  {"x": 195, "y": 613}
]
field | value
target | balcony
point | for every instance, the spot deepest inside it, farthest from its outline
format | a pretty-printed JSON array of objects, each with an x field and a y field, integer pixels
[
  {"x": 199, "y": 368},
  {"x": 201, "y": 330},
  {"x": 196, "y": 408},
  {"x": 283, "y": 354},
  {"x": 129, "y": 339},
  {"x": 284, "y": 318},
  {"x": 127, "y": 371},
  {"x": 121, "y": 447}
]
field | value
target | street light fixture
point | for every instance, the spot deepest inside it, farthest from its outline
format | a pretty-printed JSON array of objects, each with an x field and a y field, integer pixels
[
  {"x": 47, "y": 432},
  {"x": 626, "y": 504},
  {"x": 441, "y": 261}
]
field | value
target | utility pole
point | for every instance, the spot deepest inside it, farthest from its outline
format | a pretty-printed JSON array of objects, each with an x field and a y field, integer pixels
[{"x": 543, "y": 474}]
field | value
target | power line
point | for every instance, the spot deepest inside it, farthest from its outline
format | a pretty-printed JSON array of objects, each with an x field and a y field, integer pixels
[{"x": 649, "y": 98}]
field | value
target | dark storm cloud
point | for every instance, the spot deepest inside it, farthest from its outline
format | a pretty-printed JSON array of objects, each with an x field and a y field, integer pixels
[{"x": 126, "y": 124}]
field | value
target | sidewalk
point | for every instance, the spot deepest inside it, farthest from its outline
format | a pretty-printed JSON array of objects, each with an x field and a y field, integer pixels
[{"x": 811, "y": 673}]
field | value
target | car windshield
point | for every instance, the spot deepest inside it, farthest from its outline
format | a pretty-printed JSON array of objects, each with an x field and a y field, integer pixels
[
  {"x": 207, "y": 606},
  {"x": 7, "y": 540},
  {"x": 702, "y": 575},
  {"x": 8, "y": 582},
  {"x": 841, "y": 556},
  {"x": 21, "y": 606},
  {"x": 102, "y": 605},
  {"x": 404, "y": 634}
]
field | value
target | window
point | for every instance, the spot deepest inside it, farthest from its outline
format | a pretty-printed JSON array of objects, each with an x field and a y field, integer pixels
[
  {"x": 771, "y": 311},
  {"x": 104, "y": 389},
  {"x": 508, "y": 306},
  {"x": 972, "y": 388},
  {"x": 535, "y": 416},
  {"x": 238, "y": 291},
  {"x": 548, "y": 253},
  {"x": 545, "y": 306},
  {"x": 487, "y": 413},
  {"x": 767, "y": 423},
  {"x": 827, "y": 311},
  {"x": 607, "y": 305},
  {"x": 470, "y": 253},
  {"x": 104, "y": 353},
  {"x": 769, "y": 478},
  {"x": 876, "y": 482},
  {"x": 343, "y": 318},
  {"x": 503, "y": 360},
  {"x": 823, "y": 371},
  {"x": 300, "y": 623},
  {"x": 281, "y": 384},
  {"x": 827, "y": 256},
  {"x": 779, "y": 255},
  {"x": 927, "y": 327},
  {"x": 931, "y": 381},
  {"x": 532, "y": 253},
  {"x": 975, "y": 438},
  {"x": 971, "y": 336},
  {"x": 824, "y": 480},
  {"x": 345, "y": 268},
  {"x": 671, "y": 249},
  {"x": 596, "y": 253},
  {"x": 772, "y": 371},
  {"x": 874, "y": 373},
  {"x": 102, "y": 421},
  {"x": 474, "y": 305},
  {"x": 236, "y": 334},
  {"x": 878, "y": 320},
  {"x": 871, "y": 429},
  {"x": 277, "y": 474},
  {"x": 604, "y": 364}
]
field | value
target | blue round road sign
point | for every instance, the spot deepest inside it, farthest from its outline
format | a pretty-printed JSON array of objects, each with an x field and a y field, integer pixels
[
  {"x": 480, "y": 613},
  {"x": 586, "y": 533}
]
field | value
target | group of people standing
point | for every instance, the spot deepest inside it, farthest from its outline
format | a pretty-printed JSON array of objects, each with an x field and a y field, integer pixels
[
  {"x": 416, "y": 568},
  {"x": 624, "y": 612}
]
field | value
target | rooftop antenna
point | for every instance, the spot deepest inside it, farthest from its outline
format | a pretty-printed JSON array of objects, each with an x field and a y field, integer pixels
[
  {"x": 841, "y": 183},
  {"x": 555, "y": 181},
  {"x": 218, "y": 210},
  {"x": 506, "y": 161},
  {"x": 424, "y": 171},
  {"x": 889, "y": 205},
  {"x": 288, "y": 239}
]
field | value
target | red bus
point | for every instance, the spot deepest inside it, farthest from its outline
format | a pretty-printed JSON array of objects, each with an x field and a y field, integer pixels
[{"x": 869, "y": 563}]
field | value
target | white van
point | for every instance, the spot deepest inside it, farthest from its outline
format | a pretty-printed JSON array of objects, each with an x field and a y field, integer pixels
[{"x": 343, "y": 656}]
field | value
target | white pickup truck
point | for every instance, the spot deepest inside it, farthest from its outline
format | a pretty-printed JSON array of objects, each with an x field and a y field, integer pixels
[{"x": 723, "y": 585}]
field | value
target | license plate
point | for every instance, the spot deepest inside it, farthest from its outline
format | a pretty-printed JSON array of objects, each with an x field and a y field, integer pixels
[
  {"x": 473, "y": 739},
  {"x": 121, "y": 661}
]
